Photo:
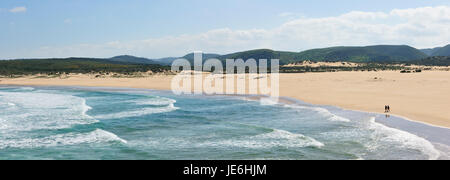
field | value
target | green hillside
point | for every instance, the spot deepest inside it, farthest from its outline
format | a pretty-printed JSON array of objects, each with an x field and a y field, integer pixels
[
  {"x": 430, "y": 51},
  {"x": 165, "y": 61},
  {"x": 71, "y": 65},
  {"x": 190, "y": 56},
  {"x": 444, "y": 51},
  {"x": 132, "y": 59},
  {"x": 381, "y": 53},
  {"x": 283, "y": 56},
  {"x": 369, "y": 54}
]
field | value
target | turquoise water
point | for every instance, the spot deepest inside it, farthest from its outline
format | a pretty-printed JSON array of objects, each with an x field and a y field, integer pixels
[{"x": 96, "y": 123}]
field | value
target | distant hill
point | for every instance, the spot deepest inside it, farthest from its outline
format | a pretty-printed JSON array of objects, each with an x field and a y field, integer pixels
[
  {"x": 205, "y": 56},
  {"x": 165, "y": 61},
  {"x": 256, "y": 54},
  {"x": 283, "y": 56},
  {"x": 132, "y": 60},
  {"x": 189, "y": 57},
  {"x": 438, "y": 51},
  {"x": 72, "y": 65},
  {"x": 380, "y": 53},
  {"x": 430, "y": 51},
  {"x": 444, "y": 51}
]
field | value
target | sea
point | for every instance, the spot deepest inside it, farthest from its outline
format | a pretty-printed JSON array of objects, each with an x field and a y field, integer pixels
[{"x": 120, "y": 123}]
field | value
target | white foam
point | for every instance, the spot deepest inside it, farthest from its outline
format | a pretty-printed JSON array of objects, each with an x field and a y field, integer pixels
[
  {"x": 322, "y": 111},
  {"x": 6, "y": 105},
  {"x": 158, "y": 101},
  {"x": 444, "y": 150},
  {"x": 27, "y": 88},
  {"x": 139, "y": 112},
  {"x": 3, "y": 124},
  {"x": 268, "y": 101},
  {"x": 277, "y": 138},
  {"x": 97, "y": 136},
  {"x": 84, "y": 107},
  {"x": 33, "y": 111},
  {"x": 404, "y": 139}
]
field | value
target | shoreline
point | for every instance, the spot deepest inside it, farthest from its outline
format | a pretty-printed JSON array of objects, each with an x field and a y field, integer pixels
[
  {"x": 251, "y": 97},
  {"x": 369, "y": 112},
  {"x": 351, "y": 91},
  {"x": 437, "y": 135},
  {"x": 432, "y": 133},
  {"x": 414, "y": 131}
]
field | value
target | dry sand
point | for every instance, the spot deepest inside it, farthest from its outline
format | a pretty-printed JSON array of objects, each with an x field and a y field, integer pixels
[{"x": 421, "y": 97}]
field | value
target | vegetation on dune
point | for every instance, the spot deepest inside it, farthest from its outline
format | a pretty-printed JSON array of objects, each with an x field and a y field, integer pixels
[
  {"x": 362, "y": 67},
  {"x": 433, "y": 61},
  {"x": 72, "y": 65}
]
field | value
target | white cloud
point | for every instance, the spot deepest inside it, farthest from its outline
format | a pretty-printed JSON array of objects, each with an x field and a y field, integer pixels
[
  {"x": 18, "y": 9},
  {"x": 419, "y": 27}
]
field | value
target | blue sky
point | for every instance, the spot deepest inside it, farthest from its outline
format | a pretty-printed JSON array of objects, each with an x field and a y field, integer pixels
[{"x": 55, "y": 28}]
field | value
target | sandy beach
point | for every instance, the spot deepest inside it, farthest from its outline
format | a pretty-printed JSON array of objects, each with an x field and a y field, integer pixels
[{"x": 420, "y": 97}]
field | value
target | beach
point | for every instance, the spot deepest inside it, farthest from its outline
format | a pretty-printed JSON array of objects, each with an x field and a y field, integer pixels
[
  {"x": 420, "y": 97},
  {"x": 48, "y": 122}
]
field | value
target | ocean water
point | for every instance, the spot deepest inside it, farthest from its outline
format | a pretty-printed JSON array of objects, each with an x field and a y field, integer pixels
[{"x": 111, "y": 123}]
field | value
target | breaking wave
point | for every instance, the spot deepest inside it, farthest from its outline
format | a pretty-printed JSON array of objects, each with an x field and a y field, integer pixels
[
  {"x": 96, "y": 136},
  {"x": 157, "y": 101},
  {"x": 404, "y": 139},
  {"x": 168, "y": 106},
  {"x": 322, "y": 111},
  {"x": 32, "y": 111},
  {"x": 276, "y": 138}
]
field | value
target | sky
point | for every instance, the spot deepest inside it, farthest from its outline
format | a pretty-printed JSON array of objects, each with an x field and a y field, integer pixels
[{"x": 172, "y": 28}]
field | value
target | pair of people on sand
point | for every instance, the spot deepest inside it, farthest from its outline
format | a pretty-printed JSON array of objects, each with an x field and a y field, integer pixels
[{"x": 387, "y": 109}]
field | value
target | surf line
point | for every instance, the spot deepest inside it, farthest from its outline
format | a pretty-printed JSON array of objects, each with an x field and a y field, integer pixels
[{"x": 194, "y": 170}]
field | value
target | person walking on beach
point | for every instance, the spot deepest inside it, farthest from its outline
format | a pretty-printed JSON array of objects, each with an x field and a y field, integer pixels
[{"x": 387, "y": 109}]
